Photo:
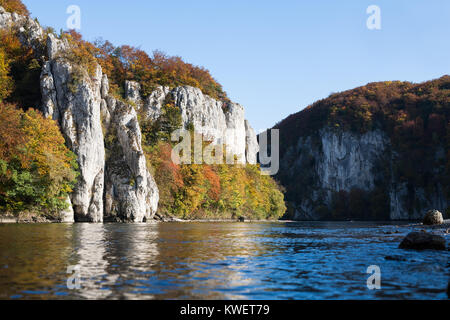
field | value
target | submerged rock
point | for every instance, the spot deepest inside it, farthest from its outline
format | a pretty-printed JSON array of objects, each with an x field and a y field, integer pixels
[
  {"x": 395, "y": 258},
  {"x": 433, "y": 217},
  {"x": 422, "y": 241}
]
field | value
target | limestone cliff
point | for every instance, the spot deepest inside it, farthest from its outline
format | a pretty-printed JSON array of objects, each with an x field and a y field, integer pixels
[
  {"x": 343, "y": 161},
  {"x": 367, "y": 154},
  {"x": 217, "y": 121},
  {"x": 104, "y": 133},
  {"x": 79, "y": 111}
]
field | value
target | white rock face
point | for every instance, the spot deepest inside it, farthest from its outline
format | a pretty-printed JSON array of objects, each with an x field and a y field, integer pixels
[
  {"x": 348, "y": 159},
  {"x": 155, "y": 102},
  {"x": 132, "y": 92},
  {"x": 252, "y": 146},
  {"x": 131, "y": 192},
  {"x": 399, "y": 209},
  {"x": 30, "y": 32},
  {"x": 68, "y": 216},
  {"x": 76, "y": 107},
  {"x": 218, "y": 123}
]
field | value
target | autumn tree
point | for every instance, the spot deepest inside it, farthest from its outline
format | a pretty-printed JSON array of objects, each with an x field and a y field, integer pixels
[
  {"x": 5, "y": 80},
  {"x": 37, "y": 171},
  {"x": 14, "y": 6},
  {"x": 19, "y": 71}
]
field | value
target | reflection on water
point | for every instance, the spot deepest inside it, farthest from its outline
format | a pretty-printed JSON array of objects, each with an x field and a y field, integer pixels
[{"x": 216, "y": 261}]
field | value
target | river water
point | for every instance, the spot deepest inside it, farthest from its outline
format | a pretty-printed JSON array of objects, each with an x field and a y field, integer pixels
[{"x": 278, "y": 260}]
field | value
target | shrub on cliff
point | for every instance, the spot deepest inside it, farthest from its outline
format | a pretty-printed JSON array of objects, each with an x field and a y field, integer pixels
[
  {"x": 6, "y": 82},
  {"x": 128, "y": 63},
  {"x": 37, "y": 171},
  {"x": 19, "y": 71}
]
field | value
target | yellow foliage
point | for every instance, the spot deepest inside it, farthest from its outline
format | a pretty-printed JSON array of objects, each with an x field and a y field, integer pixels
[{"x": 5, "y": 80}]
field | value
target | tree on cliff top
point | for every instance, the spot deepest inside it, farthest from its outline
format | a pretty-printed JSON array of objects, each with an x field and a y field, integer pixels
[{"x": 14, "y": 6}]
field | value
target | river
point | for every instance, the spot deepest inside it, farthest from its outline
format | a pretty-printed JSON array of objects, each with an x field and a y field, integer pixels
[{"x": 267, "y": 260}]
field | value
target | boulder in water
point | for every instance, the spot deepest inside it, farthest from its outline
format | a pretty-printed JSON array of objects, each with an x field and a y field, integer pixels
[
  {"x": 433, "y": 217},
  {"x": 422, "y": 241}
]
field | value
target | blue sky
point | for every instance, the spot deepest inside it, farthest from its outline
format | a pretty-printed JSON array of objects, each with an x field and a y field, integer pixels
[{"x": 276, "y": 57}]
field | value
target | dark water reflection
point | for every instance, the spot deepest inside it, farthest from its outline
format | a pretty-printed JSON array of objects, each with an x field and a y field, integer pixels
[{"x": 216, "y": 261}]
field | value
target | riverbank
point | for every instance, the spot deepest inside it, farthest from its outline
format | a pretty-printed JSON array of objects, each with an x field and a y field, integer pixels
[
  {"x": 29, "y": 218},
  {"x": 25, "y": 219},
  {"x": 32, "y": 218}
]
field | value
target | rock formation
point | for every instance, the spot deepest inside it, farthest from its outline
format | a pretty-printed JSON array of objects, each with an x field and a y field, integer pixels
[
  {"x": 217, "y": 121},
  {"x": 77, "y": 111},
  {"x": 341, "y": 161},
  {"x": 131, "y": 192},
  {"x": 422, "y": 241},
  {"x": 83, "y": 113},
  {"x": 433, "y": 217},
  {"x": 114, "y": 182}
]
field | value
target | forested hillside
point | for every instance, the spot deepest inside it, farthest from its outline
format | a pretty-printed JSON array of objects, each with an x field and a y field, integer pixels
[{"x": 412, "y": 119}]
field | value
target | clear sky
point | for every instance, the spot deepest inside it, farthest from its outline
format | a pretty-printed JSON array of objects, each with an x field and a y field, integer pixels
[{"x": 275, "y": 57}]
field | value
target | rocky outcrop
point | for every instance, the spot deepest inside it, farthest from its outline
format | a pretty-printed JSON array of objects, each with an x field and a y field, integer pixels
[
  {"x": 399, "y": 191},
  {"x": 131, "y": 192},
  {"x": 75, "y": 103},
  {"x": 67, "y": 215},
  {"x": 332, "y": 161},
  {"x": 218, "y": 122},
  {"x": 30, "y": 32},
  {"x": 81, "y": 105},
  {"x": 251, "y": 142},
  {"x": 347, "y": 160},
  {"x": 433, "y": 217},
  {"x": 422, "y": 241},
  {"x": 132, "y": 92}
]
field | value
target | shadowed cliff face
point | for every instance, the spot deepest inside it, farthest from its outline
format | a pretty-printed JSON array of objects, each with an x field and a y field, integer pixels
[
  {"x": 372, "y": 153},
  {"x": 336, "y": 162}
]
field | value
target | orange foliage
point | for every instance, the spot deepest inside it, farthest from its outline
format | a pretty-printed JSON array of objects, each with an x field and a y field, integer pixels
[
  {"x": 15, "y": 6},
  {"x": 33, "y": 139},
  {"x": 214, "y": 182},
  {"x": 11, "y": 135},
  {"x": 168, "y": 167},
  {"x": 129, "y": 63},
  {"x": 5, "y": 80},
  {"x": 37, "y": 171}
]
